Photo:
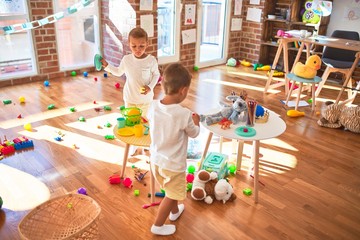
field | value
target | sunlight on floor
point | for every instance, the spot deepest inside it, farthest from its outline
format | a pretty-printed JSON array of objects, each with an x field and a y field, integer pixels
[
  {"x": 21, "y": 191},
  {"x": 239, "y": 85},
  {"x": 49, "y": 114}
]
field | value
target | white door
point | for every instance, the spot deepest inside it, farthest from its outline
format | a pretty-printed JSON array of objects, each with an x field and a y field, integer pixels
[{"x": 212, "y": 32}]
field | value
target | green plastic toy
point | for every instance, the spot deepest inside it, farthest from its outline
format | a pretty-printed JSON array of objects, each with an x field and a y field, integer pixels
[
  {"x": 247, "y": 191},
  {"x": 51, "y": 106},
  {"x": 7, "y": 101},
  {"x": 109, "y": 137},
  {"x": 1, "y": 202}
]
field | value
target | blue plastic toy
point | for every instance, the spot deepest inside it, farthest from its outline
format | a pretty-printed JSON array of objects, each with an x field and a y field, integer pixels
[{"x": 46, "y": 83}]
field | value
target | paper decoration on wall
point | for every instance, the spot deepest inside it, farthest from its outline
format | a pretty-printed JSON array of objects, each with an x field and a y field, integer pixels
[
  {"x": 352, "y": 14},
  {"x": 50, "y": 19},
  {"x": 238, "y": 7},
  {"x": 255, "y": 2},
  {"x": 147, "y": 23},
  {"x": 188, "y": 36},
  {"x": 254, "y": 14},
  {"x": 190, "y": 14},
  {"x": 236, "y": 24},
  {"x": 146, "y": 5}
]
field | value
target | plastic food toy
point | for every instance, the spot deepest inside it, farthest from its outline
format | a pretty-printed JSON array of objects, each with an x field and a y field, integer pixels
[
  {"x": 225, "y": 123},
  {"x": 232, "y": 113},
  {"x": 231, "y": 62},
  {"x": 22, "y": 99},
  {"x": 19, "y": 116},
  {"x": 309, "y": 70},
  {"x": 132, "y": 115},
  {"x": 7, "y": 101},
  {"x": 115, "y": 179},
  {"x": 276, "y": 73},
  {"x": 51, "y": 106},
  {"x": 72, "y": 109},
  {"x": 263, "y": 68},
  {"x": 245, "y": 63},
  {"x": 191, "y": 169},
  {"x": 295, "y": 113},
  {"x": 27, "y": 126},
  {"x": 82, "y": 119},
  {"x": 127, "y": 182},
  {"x": 97, "y": 62},
  {"x": 82, "y": 191},
  {"x": 206, "y": 187},
  {"x": 117, "y": 85},
  {"x": 190, "y": 177},
  {"x": 282, "y": 33},
  {"x": 337, "y": 116}
]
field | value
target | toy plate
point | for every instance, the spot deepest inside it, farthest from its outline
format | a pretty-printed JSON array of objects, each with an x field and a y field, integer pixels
[
  {"x": 125, "y": 132},
  {"x": 250, "y": 133},
  {"x": 97, "y": 63}
]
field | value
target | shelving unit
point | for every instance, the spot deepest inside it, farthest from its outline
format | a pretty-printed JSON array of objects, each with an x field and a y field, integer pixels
[{"x": 288, "y": 17}]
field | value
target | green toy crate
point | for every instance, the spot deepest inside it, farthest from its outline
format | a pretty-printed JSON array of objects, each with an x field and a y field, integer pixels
[
  {"x": 216, "y": 162},
  {"x": 131, "y": 119}
]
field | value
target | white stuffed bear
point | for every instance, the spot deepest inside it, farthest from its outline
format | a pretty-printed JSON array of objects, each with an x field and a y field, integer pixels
[
  {"x": 232, "y": 113},
  {"x": 207, "y": 187}
]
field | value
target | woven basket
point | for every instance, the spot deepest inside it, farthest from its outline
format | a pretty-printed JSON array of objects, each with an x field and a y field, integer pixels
[{"x": 72, "y": 216}]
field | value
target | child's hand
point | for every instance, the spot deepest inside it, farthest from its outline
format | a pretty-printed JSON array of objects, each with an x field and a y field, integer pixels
[
  {"x": 104, "y": 62},
  {"x": 196, "y": 118},
  {"x": 145, "y": 90}
]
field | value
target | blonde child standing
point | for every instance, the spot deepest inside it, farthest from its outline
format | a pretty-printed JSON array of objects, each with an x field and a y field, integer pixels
[
  {"x": 141, "y": 71},
  {"x": 171, "y": 125}
]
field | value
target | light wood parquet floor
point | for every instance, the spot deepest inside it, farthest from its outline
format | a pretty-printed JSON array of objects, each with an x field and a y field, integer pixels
[{"x": 310, "y": 175}]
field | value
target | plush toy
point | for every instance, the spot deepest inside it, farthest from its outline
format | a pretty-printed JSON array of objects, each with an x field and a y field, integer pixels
[
  {"x": 206, "y": 187},
  {"x": 231, "y": 113},
  {"x": 309, "y": 70},
  {"x": 336, "y": 116}
]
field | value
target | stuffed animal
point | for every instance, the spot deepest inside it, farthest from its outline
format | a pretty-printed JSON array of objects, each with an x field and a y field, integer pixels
[
  {"x": 207, "y": 187},
  {"x": 309, "y": 70},
  {"x": 231, "y": 113},
  {"x": 336, "y": 116}
]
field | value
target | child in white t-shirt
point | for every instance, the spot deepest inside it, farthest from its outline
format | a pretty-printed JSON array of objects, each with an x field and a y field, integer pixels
[
  {"x": 170, "y": 126},
  {"x": 141, "y": 71}
]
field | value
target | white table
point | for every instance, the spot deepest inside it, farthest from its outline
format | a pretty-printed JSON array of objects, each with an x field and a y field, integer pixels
[{"x": 273, "y": 128}]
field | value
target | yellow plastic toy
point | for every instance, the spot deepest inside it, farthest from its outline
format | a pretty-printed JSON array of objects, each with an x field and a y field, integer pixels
[
  {"x": 245, "y": 63},
  {"x": 264, "y": 68},
  {"x": 309, "y": 70},
  {"x": 295, "y": 113},
  {"x": 276, "y": 73}
]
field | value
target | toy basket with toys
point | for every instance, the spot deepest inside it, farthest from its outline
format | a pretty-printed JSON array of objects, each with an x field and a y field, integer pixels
[
  {"x": 71, "y": 216},
  {"x": 132, "y": 115}
]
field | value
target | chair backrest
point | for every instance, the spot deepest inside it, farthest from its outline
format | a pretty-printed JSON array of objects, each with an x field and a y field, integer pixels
[{"x": 341, "y": 54}]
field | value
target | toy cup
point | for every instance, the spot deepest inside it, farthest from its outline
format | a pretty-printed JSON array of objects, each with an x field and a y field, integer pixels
[
  {"x": 251, "y": 106},
  {"x": 139, "y": 130},
  {"x": 120, "y": 122}
]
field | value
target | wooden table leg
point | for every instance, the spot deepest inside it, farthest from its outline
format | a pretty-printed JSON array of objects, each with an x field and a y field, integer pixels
[
  {"x": 276, "y": 59},
  {"x": 127, "y": 146},
  {"x": 240, "y": 148},
  {"x": 206, "y": 148},
  {"x": 255, "y": 159},
  {"x": 152, "y": 185}
]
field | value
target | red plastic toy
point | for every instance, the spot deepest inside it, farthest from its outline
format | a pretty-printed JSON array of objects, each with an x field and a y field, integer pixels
[{"x": 115, "y": 179}]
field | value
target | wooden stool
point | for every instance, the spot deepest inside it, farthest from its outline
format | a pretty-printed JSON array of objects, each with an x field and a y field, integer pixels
[{"x": 293, "y": 78}]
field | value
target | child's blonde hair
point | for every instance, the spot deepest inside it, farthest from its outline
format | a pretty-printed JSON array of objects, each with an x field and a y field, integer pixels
[
  {"x": 138, "y": 33},
  {"x": 176, "y": 76}
]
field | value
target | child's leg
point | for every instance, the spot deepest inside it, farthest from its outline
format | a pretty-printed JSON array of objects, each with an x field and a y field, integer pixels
[{"x": 165, "y": 208}]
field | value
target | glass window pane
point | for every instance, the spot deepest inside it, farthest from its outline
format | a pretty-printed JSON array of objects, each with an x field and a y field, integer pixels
[
  {"x": 166, "y": 28},
  {"x": 77, "y": 35},
  {"x": 17, "y": 57}
]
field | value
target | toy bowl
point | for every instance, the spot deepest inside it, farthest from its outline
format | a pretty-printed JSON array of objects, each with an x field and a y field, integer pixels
[{"x": 132, "y": 115}]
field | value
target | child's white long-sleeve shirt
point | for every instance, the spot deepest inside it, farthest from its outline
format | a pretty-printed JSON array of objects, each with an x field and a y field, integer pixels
[
  {"x": 138, "y": 72},
  {"x": 170, "y": 127}
]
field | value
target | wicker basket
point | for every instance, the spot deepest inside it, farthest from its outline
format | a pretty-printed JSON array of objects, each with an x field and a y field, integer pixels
[
  {"x": 72, "y": 216},
  {"x": 131, "y": 120}
]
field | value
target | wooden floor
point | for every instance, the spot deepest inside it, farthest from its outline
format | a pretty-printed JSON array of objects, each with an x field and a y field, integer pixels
[{"x": 310, "y": 175}]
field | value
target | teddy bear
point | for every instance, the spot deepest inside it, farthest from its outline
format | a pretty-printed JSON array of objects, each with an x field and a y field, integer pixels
[
  {"x": 207, "y": 187},
  {"x": 337, "y": 115},
  {"x": 230, "y": 112}
]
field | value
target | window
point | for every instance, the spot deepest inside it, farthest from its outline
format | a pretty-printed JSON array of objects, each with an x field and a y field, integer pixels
[
  {"x": 77, "y": 34},
  {"x": 17, "y": 58},
  {"x": 168, "y": 31}
]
